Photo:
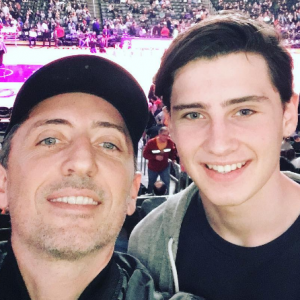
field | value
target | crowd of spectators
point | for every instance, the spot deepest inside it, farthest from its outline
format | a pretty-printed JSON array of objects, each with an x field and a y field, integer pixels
[
  {"x": 40, "y": 19},
  {"x": 156, "y": 18},
  {"x": 43, "y": 18},
  {"x": 283, "y": 14}
]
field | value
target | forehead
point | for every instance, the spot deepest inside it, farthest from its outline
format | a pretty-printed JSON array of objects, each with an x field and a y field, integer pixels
[
  {"x": 222, "y": 78},
  {"x": 70, "y": 105},
  {"x": 82, "y": 112}
]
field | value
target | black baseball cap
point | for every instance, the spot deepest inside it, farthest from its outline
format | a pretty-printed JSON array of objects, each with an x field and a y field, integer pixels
[{"x": 85, "y": 74}]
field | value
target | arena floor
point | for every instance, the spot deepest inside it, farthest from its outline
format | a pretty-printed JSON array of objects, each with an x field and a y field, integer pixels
[{"x": 21, "y": 61}]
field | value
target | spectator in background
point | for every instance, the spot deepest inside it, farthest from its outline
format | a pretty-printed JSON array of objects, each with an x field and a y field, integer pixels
[
  {"x": 96, "y": 27},
  {"x": 165, "y": 32},
  {"x": 88, "y": 18},
  {"x": 152, "y": 132},
  {"x": 32, "y": 36},
  {"x": 159, "y": 107},
  {"x": 58, "y": 34},
  {"x": 3, "y": 50},
  {"x": 158, "y": 151},
  {"x": 46, "y": 33},
  {"x": 5, "y": 9},
  {"x": 156, "y": 31},
  {"x": 92, "y": 41},
  {"x": 175, "y": 31},
  {"x": 132, "y": 29},
  {"x": 159, "y": 189},
  {"x": 105, "y": 35}
]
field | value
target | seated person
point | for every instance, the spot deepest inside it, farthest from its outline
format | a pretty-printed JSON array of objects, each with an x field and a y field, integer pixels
[{"x": 160, "y": 190}]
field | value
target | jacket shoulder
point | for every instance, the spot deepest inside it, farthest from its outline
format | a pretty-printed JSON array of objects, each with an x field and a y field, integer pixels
[
  {"x": 3, "y": 251},
  {"x": 165, "y": 214},
  {"x": 137, "y": 281},
  {"x": 149, "y": 239}
]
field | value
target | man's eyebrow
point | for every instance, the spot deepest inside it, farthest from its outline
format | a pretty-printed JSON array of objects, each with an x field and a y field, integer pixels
[
  {"x": 66, "y": 122},
  {"x": 191, "y": 105},
  {"x": 102, "y": 124},
  {"x": 252, "y": 98},
  {"x": 51, "y": 122},
  {"x": 226, "y": 103}
]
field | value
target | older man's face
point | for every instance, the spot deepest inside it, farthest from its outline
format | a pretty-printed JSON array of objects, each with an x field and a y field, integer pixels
[{"x": 71, "y": 178}]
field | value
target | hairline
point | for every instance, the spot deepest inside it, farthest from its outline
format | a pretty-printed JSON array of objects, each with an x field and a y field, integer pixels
[{"x": 221, "y": 55}]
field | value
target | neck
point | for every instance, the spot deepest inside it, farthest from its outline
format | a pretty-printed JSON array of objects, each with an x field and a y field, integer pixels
[
  {"x": 48, "y": 278},
  {"x": 260, "y": 219},
  {"x": 160, "y": 141}
]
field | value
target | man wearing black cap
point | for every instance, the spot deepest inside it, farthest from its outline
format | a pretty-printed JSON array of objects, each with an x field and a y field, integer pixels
[{"x": 68, "y": 176}]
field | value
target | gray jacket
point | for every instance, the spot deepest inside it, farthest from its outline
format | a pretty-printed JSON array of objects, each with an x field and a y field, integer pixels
[{"x": 154, "y": 241}]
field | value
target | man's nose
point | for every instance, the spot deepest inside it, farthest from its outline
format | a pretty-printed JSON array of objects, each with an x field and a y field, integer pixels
[
  {"x": 80, "y": 159},
  {"x": 220, "y": 138}
]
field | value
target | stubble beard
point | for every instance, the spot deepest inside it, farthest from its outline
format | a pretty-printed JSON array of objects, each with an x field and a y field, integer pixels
[{"x": 61, "y": 243}]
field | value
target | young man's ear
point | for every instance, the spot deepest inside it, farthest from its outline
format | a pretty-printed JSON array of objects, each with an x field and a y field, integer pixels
[
  {"x": 3, "y": 184},
  {"x": 131, "y": 202},
  {"x": 167, "y": 116},
  {"x": 290, "y": 116}
]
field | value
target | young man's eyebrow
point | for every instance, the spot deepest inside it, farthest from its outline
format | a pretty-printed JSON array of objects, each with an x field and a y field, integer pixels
[
  {"x": 251, "y": 98},
  {"x": 191, "y": 105},
  {"x": 226, "y": 103}
]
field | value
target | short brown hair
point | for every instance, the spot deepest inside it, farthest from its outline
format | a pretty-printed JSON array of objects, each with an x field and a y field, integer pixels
[{"x": 226, "y": 34}]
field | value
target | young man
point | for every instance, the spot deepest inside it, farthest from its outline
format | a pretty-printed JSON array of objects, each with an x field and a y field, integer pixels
[
  {"x": 234, "y": 233},
  {"x": 68, "y": 177}
]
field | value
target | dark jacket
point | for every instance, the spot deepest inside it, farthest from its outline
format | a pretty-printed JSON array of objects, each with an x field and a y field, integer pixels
[{"x": 134, "y": 281}]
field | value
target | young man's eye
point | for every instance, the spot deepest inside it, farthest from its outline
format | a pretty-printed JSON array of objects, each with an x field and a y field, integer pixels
[
  {"x": 50, "y": 141},
  {"x": 193, "y": 116},
  {"x": 109, "y": 146},
  {"x": 245, "y": 112}
]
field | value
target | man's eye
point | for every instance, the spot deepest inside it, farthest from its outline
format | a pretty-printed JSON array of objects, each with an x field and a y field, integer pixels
[
  {"x": 109, "y": 146},
  {"x": 193, "y": 115},
  {"x": 50, "y": 141},
  {"x": 245, "y": 112}
]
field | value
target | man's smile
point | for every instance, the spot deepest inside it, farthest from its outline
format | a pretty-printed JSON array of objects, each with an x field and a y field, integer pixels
[
  {"x": 225, "y": 168},
  {"x": 79, "y": 200}
]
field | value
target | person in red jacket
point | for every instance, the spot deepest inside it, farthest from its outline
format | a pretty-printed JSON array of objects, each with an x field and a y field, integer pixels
[
  {"x": 158, "y": 150},
  {"x": 165, "y": 32},
  {"x": 59, "y": 34}
]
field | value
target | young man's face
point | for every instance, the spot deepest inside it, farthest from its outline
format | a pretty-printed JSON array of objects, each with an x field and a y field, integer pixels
[
  {"x": 70, "y": 177},
  {"x": 227, "y": 121}
]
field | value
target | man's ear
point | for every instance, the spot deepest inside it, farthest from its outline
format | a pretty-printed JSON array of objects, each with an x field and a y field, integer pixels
[
  {"x": 290, "y": 116},
  {"x": 3, "y": 184},
  {"x": 131, "y": 202}
]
